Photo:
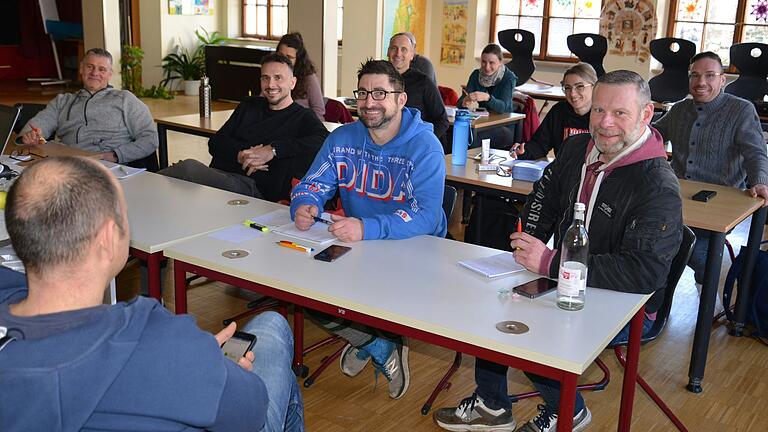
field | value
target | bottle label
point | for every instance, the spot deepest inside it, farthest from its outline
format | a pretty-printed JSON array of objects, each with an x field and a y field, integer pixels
[{"x": 570, "y": 280}]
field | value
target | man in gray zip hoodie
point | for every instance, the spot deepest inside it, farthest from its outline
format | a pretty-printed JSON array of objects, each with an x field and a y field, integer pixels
[{"x": 98, "y": 118}]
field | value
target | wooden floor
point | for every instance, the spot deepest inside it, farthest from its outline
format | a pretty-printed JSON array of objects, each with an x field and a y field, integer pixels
[{"x": 736, "y": 382}]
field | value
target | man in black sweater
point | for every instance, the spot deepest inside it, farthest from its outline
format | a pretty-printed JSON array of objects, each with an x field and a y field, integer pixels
[
  {"x": 422, "y": 92},
  {"x": 268, "y": 140}
]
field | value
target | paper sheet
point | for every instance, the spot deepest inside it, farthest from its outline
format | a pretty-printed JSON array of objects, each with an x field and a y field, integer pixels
[
  {"x": 502, "y": 264},
  {"x": 236, "y": 234}
]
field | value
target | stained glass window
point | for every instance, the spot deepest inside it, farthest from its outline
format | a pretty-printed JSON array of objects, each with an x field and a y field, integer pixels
[
  {"x": 550, "y": 20},
  {"x": 715, "y": 25}
]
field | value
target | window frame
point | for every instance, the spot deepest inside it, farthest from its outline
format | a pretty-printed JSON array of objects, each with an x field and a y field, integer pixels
[
  {"x": 741, "y": 13},
  {"x": 543, "y": 38},
  {"x": 269, "y": 35}
]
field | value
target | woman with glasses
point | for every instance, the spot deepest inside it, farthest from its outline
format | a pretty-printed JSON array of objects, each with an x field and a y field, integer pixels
[
  {"x": 566, "y": 118},
  {"x": 307, "y": 92},
  {"x": 491, "y": 86}
]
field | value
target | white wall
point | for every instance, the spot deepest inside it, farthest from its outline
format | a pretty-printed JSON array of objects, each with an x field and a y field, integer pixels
[
  {"x": 98, "y": 20},
  {"x": 362, "y": 39},
  {"x": 161, "y": 32}
]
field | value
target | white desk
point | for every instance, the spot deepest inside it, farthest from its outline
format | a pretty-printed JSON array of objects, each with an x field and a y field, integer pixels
[
  {"x": 164, "y": 210},
  {"x": 416, "y": 288}
]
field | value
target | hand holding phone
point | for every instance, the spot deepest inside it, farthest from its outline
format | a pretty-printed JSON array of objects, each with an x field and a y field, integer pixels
[{"x": 238, "y": 345}]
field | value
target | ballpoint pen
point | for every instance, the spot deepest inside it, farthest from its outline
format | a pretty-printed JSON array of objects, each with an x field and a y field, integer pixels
[
  {"x": 295, "y": 246},
  {"x": 251, "y": 224},
  {"x": 519, "y": 229}
]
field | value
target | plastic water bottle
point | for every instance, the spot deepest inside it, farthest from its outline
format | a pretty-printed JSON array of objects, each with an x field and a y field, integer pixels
[
  {"x": 574, "y": 253},
  {"x": 205, "y": 97},
  {"x": 462, "y": 136}
]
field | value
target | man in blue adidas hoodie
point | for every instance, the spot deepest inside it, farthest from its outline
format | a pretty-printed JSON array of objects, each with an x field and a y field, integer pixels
[
  {"x": 389, "y": 170},
  {"x": 69, "y": 363}
]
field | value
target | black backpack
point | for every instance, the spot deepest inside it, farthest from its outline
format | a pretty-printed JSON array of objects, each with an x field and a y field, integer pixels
[{"x": 757, "y": 304}]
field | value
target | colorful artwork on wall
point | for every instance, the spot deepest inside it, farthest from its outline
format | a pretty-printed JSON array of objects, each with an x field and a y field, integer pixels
[
  {"x": 404, "y": 15},
  {"x": 629, "y": 26},
  {"x": 190, "y": 7},
  {"x": 453, "y": 47}
]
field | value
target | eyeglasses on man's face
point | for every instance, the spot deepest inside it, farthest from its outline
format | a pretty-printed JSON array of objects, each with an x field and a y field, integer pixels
[
  {"x": 376, "y": 95},
  {"x": 708, "y": 76},
  {"x": 578, "y": 88}
]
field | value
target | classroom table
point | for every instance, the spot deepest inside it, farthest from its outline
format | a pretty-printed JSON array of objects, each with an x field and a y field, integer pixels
[
  {"x": 193, "y": 124},
  {"x": 719, "y": 216},
  {"x": 163, "y": 211},
  {"x": 446, "y": 305},
  {"x": 542, "y": 91}
]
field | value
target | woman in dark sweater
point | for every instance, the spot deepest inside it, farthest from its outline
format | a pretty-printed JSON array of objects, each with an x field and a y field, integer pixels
[{"x": 566, "y": 118}]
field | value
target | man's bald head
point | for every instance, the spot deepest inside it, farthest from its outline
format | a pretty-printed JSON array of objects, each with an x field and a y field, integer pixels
[{"x": 57, "y": 206}]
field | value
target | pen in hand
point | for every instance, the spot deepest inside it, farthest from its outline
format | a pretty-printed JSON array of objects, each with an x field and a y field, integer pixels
[{"x": 519, "y": 229}]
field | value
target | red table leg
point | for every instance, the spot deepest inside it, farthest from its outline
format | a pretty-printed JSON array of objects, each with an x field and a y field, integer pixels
[
  {"x": 630, "y": 371},
  {"x": 153, "y": 274},
  {"x": 180, "y": 285},
  {"x": 567, "y": 402}
]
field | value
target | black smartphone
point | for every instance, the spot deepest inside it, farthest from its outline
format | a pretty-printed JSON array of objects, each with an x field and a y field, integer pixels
[
  {"x": 703, "y": 195},
  {"x": 332, "y": 253},
  {"x": 536, "y": 288},
  {"x": 239, "y": 344}
]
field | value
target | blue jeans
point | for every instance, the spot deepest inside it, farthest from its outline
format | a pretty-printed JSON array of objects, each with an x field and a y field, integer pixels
[
  {"x": 274, "y": 354},
  {"x": 698, "y": 261},
  {"x": 491, "y": 380}
]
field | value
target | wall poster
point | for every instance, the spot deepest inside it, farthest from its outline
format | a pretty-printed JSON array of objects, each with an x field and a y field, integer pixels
[
  {"x": 190, "y": 7},
  {"x": 453, "y": 48}
]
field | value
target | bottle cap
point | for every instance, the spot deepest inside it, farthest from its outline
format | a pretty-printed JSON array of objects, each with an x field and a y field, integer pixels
[{"x": 204, "y": 80}]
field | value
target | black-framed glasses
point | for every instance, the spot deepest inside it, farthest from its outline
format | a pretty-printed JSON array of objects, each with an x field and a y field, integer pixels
[
  {"x": 376, "y": 95},
  {"x": 578, "y": 88},
  {"x": 708, "y": 76}
]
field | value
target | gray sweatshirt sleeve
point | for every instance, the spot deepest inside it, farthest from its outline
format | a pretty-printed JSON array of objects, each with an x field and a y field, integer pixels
[
  {"x": 315, "y": 96},
  {"x": 141, "y": 127},
  {"x": 751, "y": 144},
  {"x": 47, "y": 120}
]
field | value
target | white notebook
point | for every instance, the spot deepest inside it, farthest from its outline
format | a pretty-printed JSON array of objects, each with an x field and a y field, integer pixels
[
  {"x": 280, "y": 222},
  {"x": 494, "y": 266},
  {"x": 121, "y": 171}
]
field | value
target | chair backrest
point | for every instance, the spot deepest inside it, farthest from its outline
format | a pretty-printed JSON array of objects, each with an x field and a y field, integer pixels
[
  {"x": 8, "y": 116},
  {"x": 149, "y": 162},
  {"x": 448, "y": 95},
  {"x": 26, "y": 112},
  {"x": 336, "y": 112},
  {"x": 589, "y": 48},
  {"x": 753, "y": 71},
  {"x": 449, "y": 201},
  {"x": 675, "y": 271},
  {"x": 671, "y": 85},
  {"x": 522, "y": 52}
]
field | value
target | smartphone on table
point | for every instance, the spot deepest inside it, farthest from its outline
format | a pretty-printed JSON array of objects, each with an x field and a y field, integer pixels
[
  {"x": 239, "y": 344},
  {"x": 703, "y": 195},
  {"x": 332, "y": 253},
  {"x": 536, "y": 288}
]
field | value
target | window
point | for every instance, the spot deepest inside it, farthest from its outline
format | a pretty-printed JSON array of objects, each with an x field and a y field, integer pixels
[
  {"x": 265, "y": 19},
  {"x": 550, "y": 20},
  {"x": 715, "y": 25}
]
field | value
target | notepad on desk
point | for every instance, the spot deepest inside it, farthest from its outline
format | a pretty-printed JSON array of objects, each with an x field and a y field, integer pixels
[
  {"x": 494, "y": 266},
  {"x": 121, "y": 171},
  {"x": 280, "y": 222},
  {"x": 526, "y": 170}
]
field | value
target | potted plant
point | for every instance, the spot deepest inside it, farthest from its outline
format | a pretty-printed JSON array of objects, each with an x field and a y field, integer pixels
[
  {"x": 184, "y": 66},
  {"x": 189, "y": 67},
  {"x": 130, "y": 72}
]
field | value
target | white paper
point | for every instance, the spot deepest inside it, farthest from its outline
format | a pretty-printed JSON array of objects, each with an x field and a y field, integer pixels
[
  {"x": 502, "y": 264},
  {"x": 317, "y": 233},
  {"x": 274, "y": 219},
  {"x": 236, "y": 234},
  {"x": 121, "y": 171}
]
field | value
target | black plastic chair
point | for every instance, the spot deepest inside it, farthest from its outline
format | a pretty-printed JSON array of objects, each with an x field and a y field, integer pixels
[
  {"x": 149, "y": 162},
  {"x": 753, "y": 71},
  {"x": 671, "y": 85},
  {"x": 27, "y": 111},
  {"x": 662, "y": 315},
  {"x": 589, "y": 48},
  {"x": 522, "y": 52}
]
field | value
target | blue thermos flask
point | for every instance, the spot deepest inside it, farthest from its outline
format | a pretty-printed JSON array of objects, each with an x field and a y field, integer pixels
[{"x": 462, "y": 137}]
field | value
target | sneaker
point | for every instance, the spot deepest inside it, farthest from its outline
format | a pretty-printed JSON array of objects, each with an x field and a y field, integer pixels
[
  {"x": 352, "y": 360},
  {"x": 473, "y": 415},
  {"x": 395, "y": 369},
  {"x": 546, "y": 421}
]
